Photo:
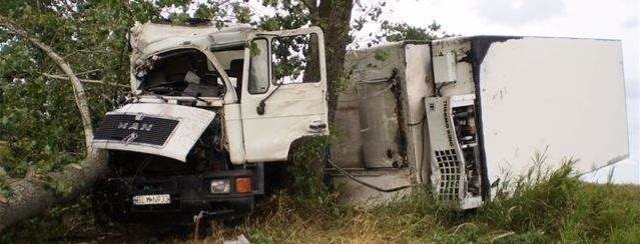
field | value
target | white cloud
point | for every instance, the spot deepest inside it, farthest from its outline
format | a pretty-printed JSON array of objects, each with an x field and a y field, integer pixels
[
  {"x": 632, "y": 22},
  {"x": 519, "y": 12}
]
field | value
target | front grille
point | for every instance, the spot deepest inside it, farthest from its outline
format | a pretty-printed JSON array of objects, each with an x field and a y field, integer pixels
[{"x": 136, "y": 129}]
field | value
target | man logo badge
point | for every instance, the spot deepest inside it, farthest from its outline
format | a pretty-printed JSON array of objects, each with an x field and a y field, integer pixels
[
  {"x": 135, "y": 126},
  {"x": 128, "y": 139}
]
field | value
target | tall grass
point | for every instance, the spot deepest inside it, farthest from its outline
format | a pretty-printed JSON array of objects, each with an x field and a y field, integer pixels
[{"x": 540, "y": 207}]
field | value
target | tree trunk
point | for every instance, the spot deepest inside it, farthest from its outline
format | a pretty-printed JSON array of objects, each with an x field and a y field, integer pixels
[
  {"x": 34, "y": 194},
  {"x": 334, "y": 17}
]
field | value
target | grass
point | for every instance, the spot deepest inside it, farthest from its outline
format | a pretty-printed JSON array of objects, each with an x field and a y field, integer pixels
[
  {"x": 548, "y": 207},
  {"x": 538, "y": 208}
]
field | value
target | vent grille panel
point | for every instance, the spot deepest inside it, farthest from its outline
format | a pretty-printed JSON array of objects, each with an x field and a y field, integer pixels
[{"x": 450, "y": 174}]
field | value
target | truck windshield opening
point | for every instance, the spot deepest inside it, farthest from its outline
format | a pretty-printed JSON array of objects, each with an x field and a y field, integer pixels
[{"x": 186, "y": 72}]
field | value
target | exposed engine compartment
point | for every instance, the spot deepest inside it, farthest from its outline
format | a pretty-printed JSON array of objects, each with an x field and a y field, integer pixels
[
  {"x": 140, "y": 185},
  {"x": 207, "y": 155}
]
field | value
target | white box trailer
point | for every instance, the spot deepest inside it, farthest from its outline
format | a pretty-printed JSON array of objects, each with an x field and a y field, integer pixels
[{"x": 459, "y": 113}]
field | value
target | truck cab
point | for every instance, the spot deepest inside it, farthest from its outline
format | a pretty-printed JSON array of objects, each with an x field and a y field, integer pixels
[{"x": 209, "y": 106}]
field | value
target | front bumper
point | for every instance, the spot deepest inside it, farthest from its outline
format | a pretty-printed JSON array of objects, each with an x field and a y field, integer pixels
[{"x": 189, "y": 194}]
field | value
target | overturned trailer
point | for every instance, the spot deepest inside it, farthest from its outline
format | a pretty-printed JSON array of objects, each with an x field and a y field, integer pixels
[{"x": 459, "y": 114}]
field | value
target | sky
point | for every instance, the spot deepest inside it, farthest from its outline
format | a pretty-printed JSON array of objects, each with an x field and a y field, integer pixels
[{"x": 610, "y": 19}]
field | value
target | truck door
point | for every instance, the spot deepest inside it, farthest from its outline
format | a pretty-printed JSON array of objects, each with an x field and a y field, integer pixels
[{"x": 284, "y": 95}]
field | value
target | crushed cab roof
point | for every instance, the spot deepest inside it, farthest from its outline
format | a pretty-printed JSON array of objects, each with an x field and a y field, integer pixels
[{"x": 149, "y": 38}]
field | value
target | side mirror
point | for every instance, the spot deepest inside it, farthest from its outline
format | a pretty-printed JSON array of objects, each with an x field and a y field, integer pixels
[{"x": 261, "y": 105}]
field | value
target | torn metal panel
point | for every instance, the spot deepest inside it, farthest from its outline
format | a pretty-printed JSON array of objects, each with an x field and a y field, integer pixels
[
  {"x": 150, "y": 38},
  {"x": 391, "y": 115},
  {"x": 377, "y": 82},
  {"x": 376, "y": 63},
  {"x": 173, "y": 129},
  {"x": 347, "y": 150},
  {"x": 365, "y": 114},
  {"x": 418, "y": 84},
  {"x": 382, "y": 141},
  {"x": 390, "y": 82}
]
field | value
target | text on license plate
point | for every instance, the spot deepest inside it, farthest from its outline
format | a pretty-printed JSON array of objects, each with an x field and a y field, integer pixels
[{"x": 151, "y": 199}]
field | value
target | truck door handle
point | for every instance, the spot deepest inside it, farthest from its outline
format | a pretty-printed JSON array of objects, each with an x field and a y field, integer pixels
[
  {"x": 260, "y": 108},
  {"x": 318, "y": 125}
]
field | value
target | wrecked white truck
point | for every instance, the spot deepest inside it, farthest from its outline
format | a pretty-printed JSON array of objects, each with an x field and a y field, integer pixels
[
  {"x": 214, "y": 108},
  {"x": 209, "y": 109}
]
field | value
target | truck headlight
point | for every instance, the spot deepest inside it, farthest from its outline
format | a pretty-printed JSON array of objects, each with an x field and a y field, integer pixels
[{"x": 220, "y": 186}]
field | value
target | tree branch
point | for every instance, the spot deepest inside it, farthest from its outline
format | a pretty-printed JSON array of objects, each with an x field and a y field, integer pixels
[
  {"x": 78, "y": 89},
  {"x": 32, "y": 195},
  {"x": 88, "y": 72},
  {"x": 312, "y": 6},
  {"x": 60, "y": 77}
]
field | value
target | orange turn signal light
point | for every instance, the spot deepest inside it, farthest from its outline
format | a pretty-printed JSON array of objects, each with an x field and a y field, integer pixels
[{"x": 243, "y": 185}]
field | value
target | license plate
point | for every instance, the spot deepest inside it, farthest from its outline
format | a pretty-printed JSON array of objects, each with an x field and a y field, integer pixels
[{"x": 151, "y": 199}]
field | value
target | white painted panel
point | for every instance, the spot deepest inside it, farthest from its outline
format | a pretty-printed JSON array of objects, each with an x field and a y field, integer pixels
[
  {"x": 564, "y": 94},
  {"x": 192, "y": 123},
  {"x": 288, "y": 114},
  {"x": 290, "y": 111}
]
